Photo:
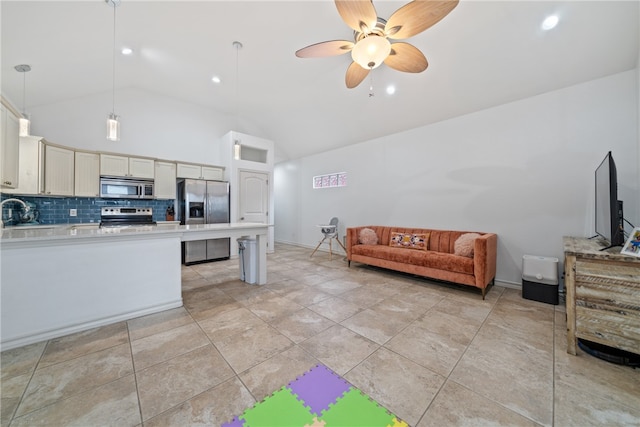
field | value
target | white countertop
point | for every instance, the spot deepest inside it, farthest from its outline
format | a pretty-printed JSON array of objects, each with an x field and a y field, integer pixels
[{"x": 67, "y": 232}]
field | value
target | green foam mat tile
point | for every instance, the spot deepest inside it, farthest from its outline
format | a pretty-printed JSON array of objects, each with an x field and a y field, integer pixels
[
  {"x": 278, "y": 410},
  {"x": 356, "y": 410}
]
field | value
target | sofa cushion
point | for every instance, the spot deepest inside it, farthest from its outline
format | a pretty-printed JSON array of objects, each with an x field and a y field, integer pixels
[
  {"x": 431, "y": 259},
  {"x": 368, "y": 237},
  {"x": 409, "y": 240},
  {"x": 464, "y": 244}
]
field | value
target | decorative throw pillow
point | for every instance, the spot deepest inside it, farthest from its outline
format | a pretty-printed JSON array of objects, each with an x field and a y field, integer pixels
[
  {"x": 464, "y": 244},
  {"x": 368, "y": 236},
  {"x": 409, "y": 241}
]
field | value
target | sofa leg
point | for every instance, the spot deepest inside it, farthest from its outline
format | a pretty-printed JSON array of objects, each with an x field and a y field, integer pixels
[
  {"x": 484, "y": 290},
  {"x": 348, "y": 263}
]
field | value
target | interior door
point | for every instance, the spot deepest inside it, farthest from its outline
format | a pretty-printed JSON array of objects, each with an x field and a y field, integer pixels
[{"x": 254, "y": 197}]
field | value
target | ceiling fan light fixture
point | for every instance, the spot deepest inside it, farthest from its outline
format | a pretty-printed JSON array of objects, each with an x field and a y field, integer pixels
[{"x": 371, "y": 51}]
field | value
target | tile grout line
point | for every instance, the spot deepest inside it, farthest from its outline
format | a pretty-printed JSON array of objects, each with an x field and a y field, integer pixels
[
  {"x": 22, "y": 396},
  {"x": 135, "y": 376}
]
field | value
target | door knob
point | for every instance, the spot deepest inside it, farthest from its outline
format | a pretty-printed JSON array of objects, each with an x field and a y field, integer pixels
[{"x": 241, "y": 218}]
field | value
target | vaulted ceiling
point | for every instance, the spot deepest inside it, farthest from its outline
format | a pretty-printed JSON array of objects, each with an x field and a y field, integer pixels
[{"x": 484, "y": 53}]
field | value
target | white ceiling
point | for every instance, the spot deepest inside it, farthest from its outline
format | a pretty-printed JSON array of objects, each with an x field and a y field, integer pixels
[{"x": 484, "y": 53}]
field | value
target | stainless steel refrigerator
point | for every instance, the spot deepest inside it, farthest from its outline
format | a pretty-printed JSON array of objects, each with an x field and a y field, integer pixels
[{"x": 203, "y": 202}]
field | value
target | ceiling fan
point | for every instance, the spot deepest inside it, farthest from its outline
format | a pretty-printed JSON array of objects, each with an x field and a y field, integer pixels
[{"x": 372, "y": 37}]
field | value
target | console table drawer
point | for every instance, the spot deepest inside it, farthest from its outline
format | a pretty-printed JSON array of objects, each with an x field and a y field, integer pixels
[
  {"x": 605, "y": 326},
  {"x": 609, "y": 284}
]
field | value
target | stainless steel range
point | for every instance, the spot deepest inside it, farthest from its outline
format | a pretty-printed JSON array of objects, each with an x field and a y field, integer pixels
[{"x": 115, "y": 216}]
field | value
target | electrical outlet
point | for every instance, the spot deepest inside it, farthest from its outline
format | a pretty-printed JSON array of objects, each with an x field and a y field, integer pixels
[{"x": 73, "y": 212}]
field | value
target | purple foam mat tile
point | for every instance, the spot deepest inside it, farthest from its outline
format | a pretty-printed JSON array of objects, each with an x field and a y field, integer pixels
[
  {"x": 236, "y": 422},
  {"x": 319, "y": 387}
]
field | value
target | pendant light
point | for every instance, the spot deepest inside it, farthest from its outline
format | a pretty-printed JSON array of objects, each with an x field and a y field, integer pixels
[
  {"x": 25, "y": 124},
  {"x": 236, "y": 144},
  {"x": 113, "y": 124}
]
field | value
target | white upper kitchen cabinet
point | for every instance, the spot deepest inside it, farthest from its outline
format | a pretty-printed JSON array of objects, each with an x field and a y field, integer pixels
[
  {"x": 165, "y": 180},
  {"x": 58, "y": 171},
  {"x": 209, "y": 172},
  {"x": 141, "y": 168},
  {"x": 10, "y": 152},
  {"x": 30, "y": 177},
  {"x": 127, "y": 167},
  {"x": 187, "y": 170},
  {"x": 87, "y": 174}
]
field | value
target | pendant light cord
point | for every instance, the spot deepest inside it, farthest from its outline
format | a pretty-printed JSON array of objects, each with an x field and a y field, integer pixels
[
  {"x": 238, "y": 46},
  {"x": 24, "y": 91},
  {"x": 113, "y": 85}
]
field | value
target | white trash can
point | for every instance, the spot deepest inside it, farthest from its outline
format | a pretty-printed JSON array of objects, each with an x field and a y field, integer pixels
[
  {"x": 540, "y": 279},
  {"x": 248, "y": 259}
]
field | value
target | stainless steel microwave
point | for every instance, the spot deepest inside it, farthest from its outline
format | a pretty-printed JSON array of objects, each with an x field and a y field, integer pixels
[{"x": 126, "y": 188}]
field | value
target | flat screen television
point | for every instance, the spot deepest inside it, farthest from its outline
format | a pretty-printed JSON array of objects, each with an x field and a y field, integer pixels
[{"x": 608, "y": 215}]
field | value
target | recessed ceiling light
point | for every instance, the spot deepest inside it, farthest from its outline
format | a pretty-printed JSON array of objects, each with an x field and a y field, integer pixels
[
  {"x": 215, "y": 79},
  {"x": 550, "y": 22},
  {"x": 127, "y": 51},
  {"x": 391, "y": 90}
]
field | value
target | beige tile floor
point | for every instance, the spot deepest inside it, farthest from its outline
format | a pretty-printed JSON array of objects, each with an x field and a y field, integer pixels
[{"x": 435, "y": 355}]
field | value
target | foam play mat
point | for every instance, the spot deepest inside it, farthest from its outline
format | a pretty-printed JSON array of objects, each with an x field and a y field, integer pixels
[{"x": 317, "y": 398}]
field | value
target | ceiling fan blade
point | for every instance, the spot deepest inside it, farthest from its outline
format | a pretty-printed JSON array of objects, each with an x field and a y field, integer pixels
[
  {"x": 407, "y": 58},
  {"x": 322, "y": 49},
  {"x": 360, "y": 15},
  {"x": 417, "y": 16},
  {"x": 355, "y": 75}
]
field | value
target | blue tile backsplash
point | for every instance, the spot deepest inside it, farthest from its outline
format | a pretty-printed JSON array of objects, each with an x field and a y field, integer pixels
[{"x": 55, "y": 210}]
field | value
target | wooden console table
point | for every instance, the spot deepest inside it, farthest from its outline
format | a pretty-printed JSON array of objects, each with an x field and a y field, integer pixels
[{"x": 603, "y": 295}]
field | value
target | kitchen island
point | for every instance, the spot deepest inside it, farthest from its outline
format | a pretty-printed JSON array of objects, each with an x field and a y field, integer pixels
[{"x": 64, "y": 279}]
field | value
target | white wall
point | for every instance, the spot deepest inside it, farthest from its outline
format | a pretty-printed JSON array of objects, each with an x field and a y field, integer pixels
[
  {"x": 523, "y": 170},
  {"x": 151, "y": 125}
]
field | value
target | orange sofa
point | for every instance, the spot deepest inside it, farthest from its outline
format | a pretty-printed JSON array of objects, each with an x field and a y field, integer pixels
[{"x": 438, "y": 261}]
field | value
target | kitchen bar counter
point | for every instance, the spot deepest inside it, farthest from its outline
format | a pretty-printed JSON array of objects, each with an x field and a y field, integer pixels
[{"x": 57, "y": 280}]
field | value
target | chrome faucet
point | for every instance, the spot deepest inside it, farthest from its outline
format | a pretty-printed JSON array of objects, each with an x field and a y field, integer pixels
[{"x": 24, "y": 205}]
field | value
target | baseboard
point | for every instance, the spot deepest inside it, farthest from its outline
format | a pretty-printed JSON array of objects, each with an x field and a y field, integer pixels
[
  {"x": 510, "y": 285},
  {"x": 66, "y": 330},
  {"x": 324, "y": 248}
]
